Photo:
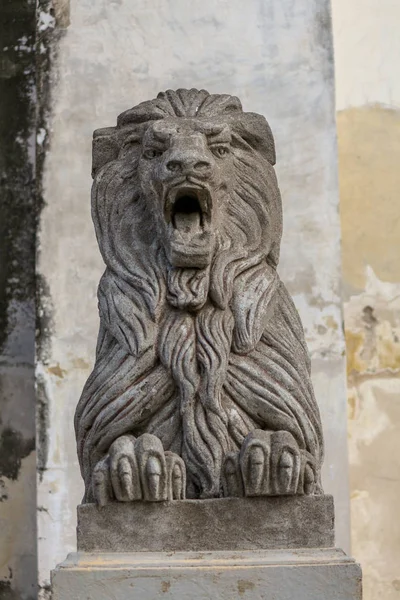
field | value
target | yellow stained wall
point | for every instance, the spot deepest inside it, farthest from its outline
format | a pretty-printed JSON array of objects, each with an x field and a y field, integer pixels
[{"x": 369, "y": 174}]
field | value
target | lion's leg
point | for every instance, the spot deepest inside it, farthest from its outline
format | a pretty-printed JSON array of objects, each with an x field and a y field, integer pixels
[
  {"x": 138, "y": 469},
  {"x": 270, "y": 463}
]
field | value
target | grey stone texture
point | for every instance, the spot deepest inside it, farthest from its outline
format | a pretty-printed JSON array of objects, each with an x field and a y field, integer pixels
[
  {"x": 279, "y": 575},
  {"x": 202, "y": 382},
  {"x": 218, "y": 524}
]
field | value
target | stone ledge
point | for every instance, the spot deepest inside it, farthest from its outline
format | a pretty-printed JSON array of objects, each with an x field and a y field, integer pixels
[
  {"x": 303, "y": 574},
  {"x": 208, "y": 525}
]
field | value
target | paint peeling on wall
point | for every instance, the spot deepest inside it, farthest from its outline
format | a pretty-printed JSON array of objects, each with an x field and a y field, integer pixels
[
  {"x": 369, "y": 159},
  {"x": 373, "y": 332},
  {"x": 374, "y": 453}
]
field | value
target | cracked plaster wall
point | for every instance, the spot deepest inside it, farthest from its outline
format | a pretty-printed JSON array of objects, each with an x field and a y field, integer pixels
[
  {"x": 367, "y": 56},
  {"x": 277, "y": 57}
]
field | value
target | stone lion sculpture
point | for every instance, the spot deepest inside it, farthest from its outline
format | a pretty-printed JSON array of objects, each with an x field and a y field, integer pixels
[{"x": 201, "y": 386}]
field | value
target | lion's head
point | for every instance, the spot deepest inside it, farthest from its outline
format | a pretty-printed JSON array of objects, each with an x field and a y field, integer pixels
[
  {"x": 200, "y": 170},
  {"x": 188, "y": 218},
  {"x": 186, "y": 176}
]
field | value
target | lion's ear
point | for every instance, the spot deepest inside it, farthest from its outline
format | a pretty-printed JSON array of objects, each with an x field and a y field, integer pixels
[
  {"x": 105, "y": 147},
  {"x": 254, "y": 129}
]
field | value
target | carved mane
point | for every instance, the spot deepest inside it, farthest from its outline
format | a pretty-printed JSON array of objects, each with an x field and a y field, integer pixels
[{"x": 198, "y": 358}]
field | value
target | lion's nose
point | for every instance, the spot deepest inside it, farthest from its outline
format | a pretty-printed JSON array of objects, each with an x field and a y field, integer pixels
[{"x": 198, "y": 167}]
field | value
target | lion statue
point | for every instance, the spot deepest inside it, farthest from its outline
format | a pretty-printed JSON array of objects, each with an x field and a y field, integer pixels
[{"x": 201, "y": 386}]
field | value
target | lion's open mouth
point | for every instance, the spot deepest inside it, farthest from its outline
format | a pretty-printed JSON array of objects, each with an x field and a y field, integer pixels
[
  {"x": 188, "y": 209},
  {"x": 189, "y": 236}
]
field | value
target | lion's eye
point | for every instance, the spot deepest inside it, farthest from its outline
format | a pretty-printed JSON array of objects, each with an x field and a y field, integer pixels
[
  {"x": 220, "y": 150},
  {"x": 151, "y": 153}
]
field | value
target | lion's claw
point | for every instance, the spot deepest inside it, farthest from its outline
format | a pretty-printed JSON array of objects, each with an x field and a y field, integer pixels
[
  {"x": 139, "y": 469},
  {"x": 269, "y": 464}
]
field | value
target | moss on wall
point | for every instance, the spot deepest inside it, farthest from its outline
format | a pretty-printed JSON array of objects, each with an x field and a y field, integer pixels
[
  {"x": 17, "y": 291},
  {"x": 17, "y": 191}
]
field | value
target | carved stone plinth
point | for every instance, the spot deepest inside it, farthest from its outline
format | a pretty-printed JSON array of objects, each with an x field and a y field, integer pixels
[
  {"x": 326, "y": 574},
  {"x": 195, "y": 525}
]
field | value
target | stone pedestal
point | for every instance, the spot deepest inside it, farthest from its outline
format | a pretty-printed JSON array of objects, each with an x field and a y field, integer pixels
[
  {"x": 195, "y": 525},
  {"x": 303, "y": 574},
  {"x": 232, "y": 548}
]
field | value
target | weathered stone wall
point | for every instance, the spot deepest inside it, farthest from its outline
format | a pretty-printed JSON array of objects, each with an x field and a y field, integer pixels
[
  {"x": 17, "y": 291},
  {"x": 367, "y": 54},
  {"x": 277, "y": 57}
]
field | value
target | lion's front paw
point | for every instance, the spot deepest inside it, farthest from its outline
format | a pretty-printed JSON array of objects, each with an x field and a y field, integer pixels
[
  {"x": 139, "y": 469},
  {"x": 269, "y": 464}
]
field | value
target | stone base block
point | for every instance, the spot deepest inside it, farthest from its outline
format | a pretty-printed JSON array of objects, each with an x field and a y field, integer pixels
[
  {"x": 197, "y": 525},
  {"x": 303, "y": 574}
]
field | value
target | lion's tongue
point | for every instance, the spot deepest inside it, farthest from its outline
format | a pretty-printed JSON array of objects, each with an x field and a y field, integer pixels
[{"x": 188, "y": 222}]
